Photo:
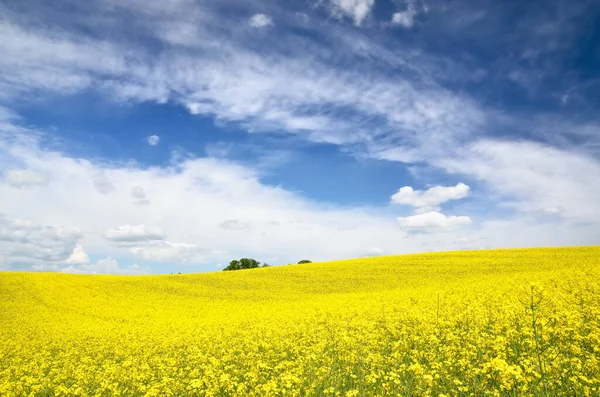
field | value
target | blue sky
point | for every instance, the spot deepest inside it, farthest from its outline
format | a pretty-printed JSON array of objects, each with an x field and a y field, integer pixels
[{"x": 158, "y": 137}]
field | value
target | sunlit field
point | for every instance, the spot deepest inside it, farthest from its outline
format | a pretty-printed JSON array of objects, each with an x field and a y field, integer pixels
[{"x": 470, "y": 323}]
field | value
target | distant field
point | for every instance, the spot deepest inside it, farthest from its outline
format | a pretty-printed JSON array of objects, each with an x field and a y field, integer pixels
[{"x": 470, "y": 323}]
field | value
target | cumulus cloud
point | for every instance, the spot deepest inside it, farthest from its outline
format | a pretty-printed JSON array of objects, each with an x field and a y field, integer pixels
[
  {"x": 431, "y": 197},
  {"x": 153, "y": 140},
  {"x": 260, "y": 21},
  {"x": 24, "y": 178},
  {"x": 78, "y": 257},
  {"x": 357, "y": 10},
  {"x": 134, "y": 233},
  {"x": 191, "y": 198},
  {"x": 433, "y": 221},
  {"x": 22, "y": 240},
  {"x": 418, "y": 117},
  {"x": 426, "y": 217}
]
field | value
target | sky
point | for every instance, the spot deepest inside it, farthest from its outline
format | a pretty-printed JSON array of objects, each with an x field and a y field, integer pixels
[{"x": 175, "y": 136}]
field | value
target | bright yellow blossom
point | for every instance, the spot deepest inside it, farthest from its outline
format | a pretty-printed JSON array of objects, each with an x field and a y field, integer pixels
[{"x": 523, "y": 322}]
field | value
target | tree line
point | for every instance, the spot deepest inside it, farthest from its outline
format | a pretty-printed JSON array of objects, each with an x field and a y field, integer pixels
[{"x": 249, "y": 263}]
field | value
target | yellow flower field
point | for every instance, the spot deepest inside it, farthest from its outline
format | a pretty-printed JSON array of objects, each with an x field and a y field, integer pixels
[{"x": 522, "y": 322}]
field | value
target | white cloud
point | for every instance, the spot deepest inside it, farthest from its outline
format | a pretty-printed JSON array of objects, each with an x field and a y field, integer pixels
[
  {"x": 222, "y": 77},
  {"x": 139, "y": 195},
  {"x": 374, "y": 251},
  {"x": 426, "y": 217},
  {"x": 153, "y": 140},
  {"x": 72, "y": 59},
  {"x": 7, "y": 114},
  {"x": 138, "y": 192},
  {"x": 431, "y": 197},
  {"x": 533, "y": 177},
  {"x": 233, "y": 224},
  {"x": 191, "y": 198},
  {"x": 357, "y": 10},
  {"x": 78, "y": 257},
  {"x": 218, "y": 149},
  {"x": 431, "y": 222},
  {"x": 167, "y": 252},
  {"x": 24, "y": 178},
  {"x": 552, "y": 210},
  {"x": 134, "y": 233},
  {"x": 102, "y": 184},
  {"x": 104, "y": 266},
  {"x": 405, "y": 18},
  {"x": 268, "y": 90},
  {"x": 26, "y": 241},
  {"x": 527, "y": 231},
  {"x": 466, "y": 241},
  {"x": 260, "y": 21}
]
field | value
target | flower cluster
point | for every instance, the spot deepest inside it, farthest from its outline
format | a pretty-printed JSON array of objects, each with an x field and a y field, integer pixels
[{"x": 471, "y": 323}]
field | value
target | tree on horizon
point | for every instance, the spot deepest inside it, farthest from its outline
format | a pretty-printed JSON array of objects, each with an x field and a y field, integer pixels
[{"x": 244, "y": 263}]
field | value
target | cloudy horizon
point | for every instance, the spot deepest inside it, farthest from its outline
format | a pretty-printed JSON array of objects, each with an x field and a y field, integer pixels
[{"x": 160, "y": 137}]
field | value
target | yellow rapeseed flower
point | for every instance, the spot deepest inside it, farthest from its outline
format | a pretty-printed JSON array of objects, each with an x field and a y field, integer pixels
[{"x": 523, "y": 322}]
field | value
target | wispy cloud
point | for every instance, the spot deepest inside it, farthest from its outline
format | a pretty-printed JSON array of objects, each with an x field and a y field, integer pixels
[
  {"x": 357, "y": 10},
  {"x": 330, "y": 84},
  {"x": 303, "y": 93},
  {"x": 260, "y": 21},
  {"x": 534, "y": 177},
  {"x": 406, "y": 18}
]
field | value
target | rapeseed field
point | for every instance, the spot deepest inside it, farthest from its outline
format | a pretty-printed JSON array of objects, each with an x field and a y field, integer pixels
[{"x": 522, "y": 322}]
